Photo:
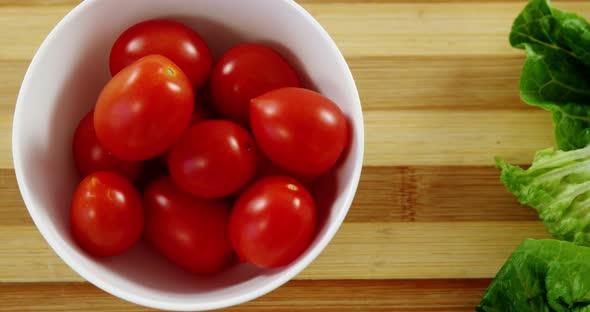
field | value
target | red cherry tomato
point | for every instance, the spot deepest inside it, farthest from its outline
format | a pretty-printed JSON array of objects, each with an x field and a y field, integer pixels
[
  {"x": 298, "y": 129},
  {"x": 144, "y": 109},
  {"x": 90, "y": 156},
  {"x": 171, "y": 39},
  {"x": 106, "y": 216},
  {"x": 272, "y": 222},
  {"x": 245, "y": 72},
  {"x": 213, "y": 159},
  {"x": 190, "y": 231}
]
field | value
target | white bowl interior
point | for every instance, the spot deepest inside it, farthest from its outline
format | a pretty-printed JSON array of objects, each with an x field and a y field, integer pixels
[{"x": 62, "y": 84}]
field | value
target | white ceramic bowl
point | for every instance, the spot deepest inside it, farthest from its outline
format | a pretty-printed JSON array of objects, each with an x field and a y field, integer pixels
[{"x": 62, "y": 84}]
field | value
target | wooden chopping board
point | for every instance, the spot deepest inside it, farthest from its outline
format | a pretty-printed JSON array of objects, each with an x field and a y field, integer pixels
[{"x": 431, "y": 224}]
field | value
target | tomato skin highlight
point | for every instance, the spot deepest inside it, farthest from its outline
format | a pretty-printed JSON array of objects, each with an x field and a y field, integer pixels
[
  {"x": 90, "y": 156},
  {"x": 106, "y": 215},
  {"x": 245, "y": 72},
  {"x": 213, "y": 159},
  {"x": 179, "y": 43},
  {"x": 144, "y": 109},
  {"x": 272, "y": 222},
  {"x": 300, "y": 130},
  {"x": 191, "y": 232}
]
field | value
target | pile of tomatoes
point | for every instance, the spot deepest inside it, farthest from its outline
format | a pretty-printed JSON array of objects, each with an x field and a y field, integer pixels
[{"x": 205, "y": 160}]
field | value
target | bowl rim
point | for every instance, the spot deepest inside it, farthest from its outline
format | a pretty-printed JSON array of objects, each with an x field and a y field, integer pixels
[{"x": 59, "y": 246}]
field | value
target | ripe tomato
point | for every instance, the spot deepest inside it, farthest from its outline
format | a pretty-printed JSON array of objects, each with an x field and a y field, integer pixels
[
  {"x": 90, "y": 156},
  {"x": 190, "y": 231},
  {"x": 272, "y": 222},
  {"x": 171, "y": 39},
  {"x": 106, "y": 216},
  {"x": 299, "y": 130},
  {"x": 144, "y": 109},
  {"x": 213, "y": 159},
  {"x": 245, "y": 72}
]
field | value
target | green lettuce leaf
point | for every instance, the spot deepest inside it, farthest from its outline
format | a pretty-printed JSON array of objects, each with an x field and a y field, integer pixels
[
  {"x": 572, "y": 125},
  {"x": 541, "y": 275},
  {"x": 557, "y": 185},
  {"x": 550, "y": 76},
  {"x": 540, "y": 23},
  {"x": 556, "y": 74}
]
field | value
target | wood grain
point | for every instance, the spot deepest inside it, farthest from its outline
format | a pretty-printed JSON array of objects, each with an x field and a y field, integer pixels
[
  {"x": 11, "y": 204},
  {"x": 38, "y": 3},
  {"x": 312, "y": 296},
  {"x": 434, "y": 194},
  {"x": 385, "y": 194},
  {"x": 449, "y": 28},
  {"x": 438, "y": 82},
  {"x": 454, "y": 137},
  {"x": 375, "y": 250},
  {"x": 12, "y": 75},
  {"x": 412, "y": 29},
  {"x": 25, "y": 28}
]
